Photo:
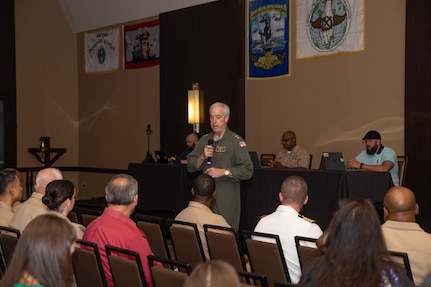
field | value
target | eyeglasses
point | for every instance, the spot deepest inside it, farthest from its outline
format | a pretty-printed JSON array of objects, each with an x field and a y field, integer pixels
[{"x": 286, "y": 140}]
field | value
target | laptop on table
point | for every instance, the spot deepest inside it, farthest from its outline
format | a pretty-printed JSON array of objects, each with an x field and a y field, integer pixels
[
  {"x": 161, "y": 156},
  {"x": 333, "y": 161}
]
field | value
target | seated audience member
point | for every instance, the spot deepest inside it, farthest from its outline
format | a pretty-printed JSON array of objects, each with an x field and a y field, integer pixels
[
  {"x": 191, "y": 142},
  {"x": 402, "y": 233},
  {"x": 376, "y": 157},
  {"x": 10, "y": 193},
  {"x": 292, "y": 155},
  {"x": 60, "y": 199},
  {"x": 215, "y": 273},
  {"x": 354, "y": 252},
  {"x": 286, "y": 222},
  {"x": 43, "y": 255},
  {"x": 199, "y": 209},
  {"x": 33, "y": 206},
  {"x": 114, "y": 226}
]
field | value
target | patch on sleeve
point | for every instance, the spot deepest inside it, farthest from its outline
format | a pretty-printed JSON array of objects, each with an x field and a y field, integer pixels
[
  {"x": 242, "y": 144},
  {"x": 306, "y": 218}
]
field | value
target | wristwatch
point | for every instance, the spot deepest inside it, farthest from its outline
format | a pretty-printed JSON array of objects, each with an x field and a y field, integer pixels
[
  {"x": 227, "y": 172},
  {"x": 361, "y": 165}
]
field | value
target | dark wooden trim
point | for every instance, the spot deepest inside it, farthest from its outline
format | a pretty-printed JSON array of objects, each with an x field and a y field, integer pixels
[{"x": 8, "y": 86}]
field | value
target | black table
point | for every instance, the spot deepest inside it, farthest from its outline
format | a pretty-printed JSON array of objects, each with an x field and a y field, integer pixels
[
  {"x": 166, "y": 187},
  {"x": 259, "y": 196}
]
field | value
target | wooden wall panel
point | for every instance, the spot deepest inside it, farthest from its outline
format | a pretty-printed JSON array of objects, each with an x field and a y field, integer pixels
[
  {"x": 8, "y": 84},
  {"x": 418, "y": 105},
  {"x": 204, "y": 44}
]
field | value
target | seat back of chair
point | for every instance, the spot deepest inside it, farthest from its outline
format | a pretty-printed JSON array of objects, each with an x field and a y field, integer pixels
[
  {"x": 311, "y": 161},
  {"x": 126, "y": 267},
  {"x": 252, "y": 279},
  {"x": 266, "y": 258},
  {"x": 86, "y": 215},
  {"x": 186, "y": 242},
  {"x": 8, "y": 240},
  {"x": 173, "y": 275},
  {"x": 153, "y": 228},
  {"x": 87, "y": 265},
  {"x": 73, "y": 216},
  {"x": 307, "y": 250},
  {"x": 223, "y": 243},
  {"x": 402, "y": 168},
  {"x": 402, "y": 259}
]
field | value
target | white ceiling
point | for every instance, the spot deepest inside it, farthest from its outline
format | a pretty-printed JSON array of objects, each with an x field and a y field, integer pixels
[{"x": 86, "y": 15}]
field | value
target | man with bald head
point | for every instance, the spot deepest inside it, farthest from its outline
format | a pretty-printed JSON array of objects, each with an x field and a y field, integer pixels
[
  {"x": 191, "y": 141},
  {"x": 287, "y": 223},
  {"x": 403, "y": 234},
  {"x": 292, "y": 155}
]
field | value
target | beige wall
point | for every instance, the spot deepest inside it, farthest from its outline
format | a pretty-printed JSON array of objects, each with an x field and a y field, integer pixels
[
  {"x": 332, "y": 101},
  {"x": 101, "y": 119},
  {"x": 47, "y": 82}
]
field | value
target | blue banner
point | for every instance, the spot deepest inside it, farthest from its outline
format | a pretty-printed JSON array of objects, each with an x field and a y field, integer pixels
[{"x": 269, "y": 38}]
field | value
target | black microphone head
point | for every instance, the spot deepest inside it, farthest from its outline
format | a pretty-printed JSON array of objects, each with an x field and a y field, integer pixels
[{"x": 210, "y": 141}]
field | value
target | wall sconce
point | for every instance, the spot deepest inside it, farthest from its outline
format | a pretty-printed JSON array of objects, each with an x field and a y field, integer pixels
[{"x": 196, "y": 104}]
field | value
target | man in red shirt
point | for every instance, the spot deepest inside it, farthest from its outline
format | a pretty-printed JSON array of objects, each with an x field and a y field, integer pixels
[{"x": 114, "y": 226}]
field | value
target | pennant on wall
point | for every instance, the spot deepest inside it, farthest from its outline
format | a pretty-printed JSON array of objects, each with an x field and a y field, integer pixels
[
  {"x": 269, "y": 38},
  {"x": 102, "y": 51},
  {"x": 141, "y": 45},
  {"x": 328, "y": 27}
]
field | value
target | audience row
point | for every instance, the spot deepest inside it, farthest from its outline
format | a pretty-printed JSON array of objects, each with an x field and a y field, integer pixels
[{"x": 354, "y": 247}]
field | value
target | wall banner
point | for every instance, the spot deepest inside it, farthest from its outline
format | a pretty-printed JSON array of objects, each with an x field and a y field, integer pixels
[
  {"x": 141, "y": 45},
  {"x": 329, "y": 27},
  {"x": 102, "y": 51},
  {"x": 269, "y": 38}
]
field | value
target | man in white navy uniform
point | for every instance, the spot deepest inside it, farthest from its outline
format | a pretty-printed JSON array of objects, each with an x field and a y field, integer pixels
[{"x": 287, "y": 223}]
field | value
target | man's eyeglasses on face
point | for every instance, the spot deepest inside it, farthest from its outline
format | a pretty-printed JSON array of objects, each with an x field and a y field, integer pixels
[{"x": 286, "y": 140}]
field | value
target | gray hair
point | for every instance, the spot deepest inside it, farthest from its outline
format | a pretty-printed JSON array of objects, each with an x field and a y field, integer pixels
[
  {"x": 47, "y": 175},
  {"x": 121, "y": 189},
  {"x": 226, "y": 108}
]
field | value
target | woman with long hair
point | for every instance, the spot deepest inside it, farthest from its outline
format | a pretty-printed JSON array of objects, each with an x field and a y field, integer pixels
[
  {"x": 354, "y": 252},
  {"x": 60, "y": 200},
  {"x": 43, "y": 255}
]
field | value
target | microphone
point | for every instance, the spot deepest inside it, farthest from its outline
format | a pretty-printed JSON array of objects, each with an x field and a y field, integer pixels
[{"x": 209, "y": 159}]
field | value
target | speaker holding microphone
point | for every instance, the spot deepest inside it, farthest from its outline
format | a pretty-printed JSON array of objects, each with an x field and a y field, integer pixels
[{"x": 209, "y": 159}]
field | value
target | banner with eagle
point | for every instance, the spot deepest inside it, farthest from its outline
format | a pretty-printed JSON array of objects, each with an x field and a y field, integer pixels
[
  {"x": 269, "y": 38},
  {"x": 329, "y": 27}
]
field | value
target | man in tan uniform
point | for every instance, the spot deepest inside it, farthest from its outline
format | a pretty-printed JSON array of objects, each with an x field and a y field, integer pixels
[
  {"x": 403, "y": 234},
  {"x": 34, "y": 206}
]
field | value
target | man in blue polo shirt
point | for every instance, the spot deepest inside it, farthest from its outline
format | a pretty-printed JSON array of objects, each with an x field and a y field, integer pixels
[{"x": 376, "y": 157}]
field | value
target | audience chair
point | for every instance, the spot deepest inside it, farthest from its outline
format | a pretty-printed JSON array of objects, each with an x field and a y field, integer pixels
[
  {"x": 186, "y": 242},
  {"x": 266, "y": 257},
  {"x": 173, "y": 275},
  {"x": 402, "y": 259},
  {"x": 87, "y": 265},
  {"x": 8, "y": 240},
  {"x": 307, "y": 250},
  {"x": 402, "y": 168},
  {"x": 73, "y": 216},
  {"x": 126, "y": 267},
  {"x": 311, "y": 160},
  {"x": 86, "y": 215},
  {"x": 252, "y": 279},
  {"x": 153, "y": 228},
  {"x": 223, "y": 243}
]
